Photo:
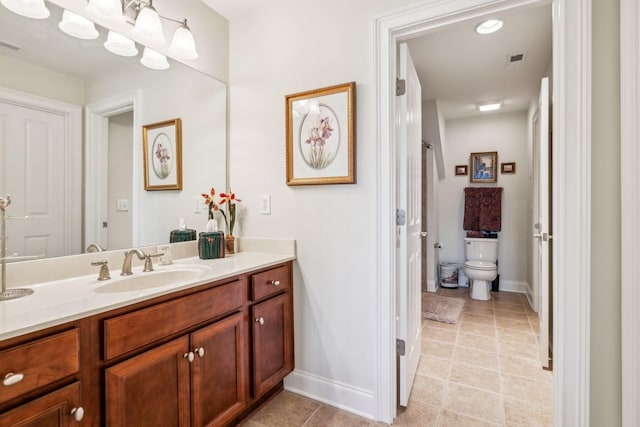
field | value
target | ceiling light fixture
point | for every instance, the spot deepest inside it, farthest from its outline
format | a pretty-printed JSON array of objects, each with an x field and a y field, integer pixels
[
  {"x": 109, "y": 8},
  {"x": 489, "y": 26},
  {"x": 148, "y": 24},
  {"x": 182, "y": 44},
  {"x": 34, "y": 9},
  {"x": 489, "y": 106},
  {"x": 77, "y": 26},
  {"x": 154, "y": 60},
  {"x": 120, "y": 45}
]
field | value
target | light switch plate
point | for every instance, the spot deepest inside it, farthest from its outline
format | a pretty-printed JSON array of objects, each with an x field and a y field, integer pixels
[
  {"x": 122, "y": 205},
  {"x": 265, "y": 204}
]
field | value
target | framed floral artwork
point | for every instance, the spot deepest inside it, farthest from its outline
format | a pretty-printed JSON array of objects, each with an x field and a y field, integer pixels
[
  {"x": 162, "y": 146},
  {"x": 483, "y": 167},
  {"x": 321, "y": 136}
]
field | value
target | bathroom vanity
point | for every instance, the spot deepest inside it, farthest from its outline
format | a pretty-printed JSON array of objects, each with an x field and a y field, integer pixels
[{"x": 204, "y": 350}]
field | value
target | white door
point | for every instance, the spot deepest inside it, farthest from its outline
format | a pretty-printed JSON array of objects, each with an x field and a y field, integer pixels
[
  {"x": 408, "y": 235},
  {"x": 32, "y": 145},
  {"x": 541, "y": 231}
]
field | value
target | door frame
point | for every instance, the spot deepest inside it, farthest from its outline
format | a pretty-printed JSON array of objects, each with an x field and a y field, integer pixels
[
  {"x": 571, "y": 168},
  {"x": 96, "y": 161},
  {"x": 630, "y": 209},
  {"x": 72, "y": 193}
]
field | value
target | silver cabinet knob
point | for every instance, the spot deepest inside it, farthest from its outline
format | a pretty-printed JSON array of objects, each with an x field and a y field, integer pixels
[
  {"x": 260, "y": 320},
  {"x": 78, "y": 413},
  {"x": 189, "y": 356},
  {"x": 199, "y": 351},
  {"x": 11, "y": 379},
  {"x": 275, "y": 282},
  {"x": 423, "y": 234}
]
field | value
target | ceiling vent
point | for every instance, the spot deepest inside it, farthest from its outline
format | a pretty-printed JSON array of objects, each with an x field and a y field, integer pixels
[
  {"x": 515, "y": 60},
  {"x": 11, "y": 46}
]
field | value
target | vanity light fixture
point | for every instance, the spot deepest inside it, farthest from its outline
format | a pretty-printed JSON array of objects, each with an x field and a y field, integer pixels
[
  {"x": 182, "y": 44},
  {"x": 489, "y": 106},
  {"x": 109, "y": 8},
  {"x": 34, "y": 9},
  {"x": 77, "y": 26},
  {"x": 120, "y": 45},
  {"x": 489, "y": 26},
  {"x": 148, "y": 24},
  {"x": 154, "y": 60}
]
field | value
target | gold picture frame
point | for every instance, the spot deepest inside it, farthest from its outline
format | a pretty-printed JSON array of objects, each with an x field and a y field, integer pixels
[
  {"x": 321, "y": 136},
  {"x": 162, "y": 147},
  {"x": 484, "y": 167}
]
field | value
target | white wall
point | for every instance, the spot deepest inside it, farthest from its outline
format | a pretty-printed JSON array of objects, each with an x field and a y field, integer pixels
[
  {"x": 507, "y": 134},
  {"x": 120, "y": 231},
  {"x": 28, "y": 78},
  {"x": 281, "y": 49}
]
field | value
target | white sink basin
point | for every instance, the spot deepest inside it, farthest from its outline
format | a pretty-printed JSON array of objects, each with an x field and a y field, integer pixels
[{"x": 152, "y": 279}]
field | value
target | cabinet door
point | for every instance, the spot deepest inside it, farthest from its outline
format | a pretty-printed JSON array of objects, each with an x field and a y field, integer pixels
[
  {"x": 51, "y": 410},
  {"x": 219, "y": 384},
  {"x": 151, "y": 389},
  {"x": 272, "y": 342}
]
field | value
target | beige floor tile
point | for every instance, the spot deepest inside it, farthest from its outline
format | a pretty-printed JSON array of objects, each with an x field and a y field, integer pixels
[
  {"x": 427, "y": 390},
  {"x": 477, "y": 318},
  {"x": 451, "y": 419},
  {"x": 478, "y": 329},
  {"x": 439, "y": 334},
  {"x": 524, "y": 367},
  {"x": 328, "y": 416},
  {"x": 441, "y": 325},
  {"x": 475, "y": 376},
  {"x": 472, "y": 356},
  {"x": 473, "y": 402},
  {"x": 526, "y": 389},
  {"x": 511, "y": 315},
  {"x": 484, "y": 310},
  {"x": 437, "y": 348},
  {"x": 424, "y": 415},
  {"x": 517, "y": 336},
  {"x": 433, "y": 366},
  {"x": 507, "y": 296},
  {"x": 477, "y": 341},
  {"x": 516, "y": 325},
  {"x": 251, "y": 423},
  {"x": 286, "y": 410},
  {"x": 511, "y": 306},
  {"x": 518, "y": 349},
  {"x": 522, "y": 413}
]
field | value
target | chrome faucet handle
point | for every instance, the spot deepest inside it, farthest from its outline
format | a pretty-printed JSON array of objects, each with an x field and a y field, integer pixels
[
  {"x": 104, "y": 269},
  {"x": 148, "y": 264}
]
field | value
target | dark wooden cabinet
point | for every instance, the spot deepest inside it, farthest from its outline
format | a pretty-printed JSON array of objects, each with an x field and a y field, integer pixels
[
  {"x": 272, "y": 342},
  {"x": 150, "y": 389},
  {"x": 219, "y": 381},
  {"x": 59, "y": 408}
]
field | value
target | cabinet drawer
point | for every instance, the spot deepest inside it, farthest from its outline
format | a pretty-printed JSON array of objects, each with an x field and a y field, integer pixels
[
  {"x": 51, "y": 410},
  {"x": 136, "y": 329},
  {"x": 41, "y": 362},
  {"x": 269, "y": 282}
]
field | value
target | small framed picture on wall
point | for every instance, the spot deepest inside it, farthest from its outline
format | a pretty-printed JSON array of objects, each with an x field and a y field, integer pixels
[
  {"x": 507, "y": 168},
  {"x": 462, "y": 170}
]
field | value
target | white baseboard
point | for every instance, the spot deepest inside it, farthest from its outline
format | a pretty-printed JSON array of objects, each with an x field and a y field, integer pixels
[
  {"x": 513, "y": 286},
  {"x": 334, "y": 393},
  {"x": 432, "y": 286}
]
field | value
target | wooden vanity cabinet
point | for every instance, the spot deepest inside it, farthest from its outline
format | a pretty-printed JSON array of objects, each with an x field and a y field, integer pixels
[{"x": 55, "y": 409}]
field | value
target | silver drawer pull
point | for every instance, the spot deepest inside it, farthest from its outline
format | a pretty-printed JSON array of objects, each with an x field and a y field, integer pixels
[
  {"x": 78, "y": 413},
  {"x": 199, "y": 351},
  {"x": 275, "y": 282},
  {"x": 11, "y": 379},
  {"x": 189, "y": 356},
  {"x": 260, "y": 320}
]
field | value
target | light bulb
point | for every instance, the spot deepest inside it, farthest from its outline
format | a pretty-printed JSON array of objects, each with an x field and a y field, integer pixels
[
  {"x": 120, "y": 45},
  {"x": 154, "y": 60},
  {"x": 148, "y": 24},
  {"x": 183, "y": 45}
]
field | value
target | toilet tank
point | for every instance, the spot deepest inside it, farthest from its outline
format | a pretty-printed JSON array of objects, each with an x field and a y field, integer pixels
[{"x": 480, "y": 249}]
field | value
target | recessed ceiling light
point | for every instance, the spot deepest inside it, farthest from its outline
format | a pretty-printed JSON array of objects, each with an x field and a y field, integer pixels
[
  {"x": 489, "y": 106},
  {"x": 489, "y": 26}
]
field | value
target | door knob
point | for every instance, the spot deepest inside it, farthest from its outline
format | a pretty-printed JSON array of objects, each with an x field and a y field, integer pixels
[{"x": 260, "y": 320}]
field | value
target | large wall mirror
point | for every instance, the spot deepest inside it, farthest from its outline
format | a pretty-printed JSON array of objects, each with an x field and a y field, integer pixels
[{"x": 71, "y": 118}]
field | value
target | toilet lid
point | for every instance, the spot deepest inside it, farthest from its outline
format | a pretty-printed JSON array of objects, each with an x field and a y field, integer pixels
[{"x": 480, "y": 265}]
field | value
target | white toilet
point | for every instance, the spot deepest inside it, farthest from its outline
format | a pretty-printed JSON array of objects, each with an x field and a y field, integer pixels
[{"x": 480, "y": 265}]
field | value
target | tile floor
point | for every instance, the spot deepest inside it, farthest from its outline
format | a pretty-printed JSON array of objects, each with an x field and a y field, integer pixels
[{"x": 482, "y": 371}]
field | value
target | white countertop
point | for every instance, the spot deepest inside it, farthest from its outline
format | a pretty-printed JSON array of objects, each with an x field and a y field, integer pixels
[{"x": 61, "y": 301}]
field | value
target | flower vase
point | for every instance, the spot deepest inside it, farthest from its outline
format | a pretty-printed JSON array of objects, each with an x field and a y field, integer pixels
[{"x": 230, "y": 243}]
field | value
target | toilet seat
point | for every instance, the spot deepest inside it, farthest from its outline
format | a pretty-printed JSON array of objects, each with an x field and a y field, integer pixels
[{"x": 480, "y": 265}]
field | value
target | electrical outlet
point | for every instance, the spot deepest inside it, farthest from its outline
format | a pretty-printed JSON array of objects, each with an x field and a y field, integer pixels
[
  {"x": 198, "y": 206},
  {"x": 265, "y": 204}
]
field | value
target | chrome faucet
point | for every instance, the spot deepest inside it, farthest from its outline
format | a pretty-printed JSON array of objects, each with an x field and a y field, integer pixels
[{"x": 126, "y": 265}]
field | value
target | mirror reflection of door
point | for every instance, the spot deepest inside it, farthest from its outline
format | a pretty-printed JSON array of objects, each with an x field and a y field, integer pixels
[{"x": 119, "y": 221}]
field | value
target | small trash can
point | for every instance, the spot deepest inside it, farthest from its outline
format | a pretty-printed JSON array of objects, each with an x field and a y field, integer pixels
[{"x": 449, "y": 275}]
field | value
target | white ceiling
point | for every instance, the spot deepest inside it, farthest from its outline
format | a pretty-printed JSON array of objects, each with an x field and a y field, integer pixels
[
  {"x": 460, "y": 68},
  {"x": 231, "y": 9}
]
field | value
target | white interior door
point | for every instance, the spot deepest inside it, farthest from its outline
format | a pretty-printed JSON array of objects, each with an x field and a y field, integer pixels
[
  {"x": 541, "y": 218},
  {"x": 32, "y": 143},
  {"x": 408, "y": 245}
]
